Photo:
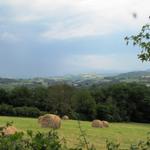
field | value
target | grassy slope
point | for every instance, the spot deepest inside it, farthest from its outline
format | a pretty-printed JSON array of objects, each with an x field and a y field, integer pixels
[{"x": 124, "y": 133}]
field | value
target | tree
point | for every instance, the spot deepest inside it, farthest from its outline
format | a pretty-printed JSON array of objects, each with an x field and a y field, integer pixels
[
  {"x": 4, "y": 96},
  {"x": 84, "y": 105},
  {"x": 39, "y": 97},
  {"x": 142, "y": 40},
  {"x": 59, "y": 99},
  {"x": 21, "y": 96}
]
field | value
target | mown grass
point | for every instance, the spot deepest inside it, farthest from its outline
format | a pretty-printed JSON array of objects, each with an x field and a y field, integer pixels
[{"x": 123, "y": 133}]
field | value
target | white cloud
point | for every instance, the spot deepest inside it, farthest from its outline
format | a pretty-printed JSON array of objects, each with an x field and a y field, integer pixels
[
  {"x": 26, "y": 18},
  {"x": 7, "y": 36},
  {"x": 59, "y": 31},
  {"x": 105, "y": 62},
  {"x": 79, "y": 18},
  {"x": 92, "y": 61}
]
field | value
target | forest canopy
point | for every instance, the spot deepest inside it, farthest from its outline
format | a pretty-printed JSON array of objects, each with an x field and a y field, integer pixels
[{"x": 115, "y": 102}]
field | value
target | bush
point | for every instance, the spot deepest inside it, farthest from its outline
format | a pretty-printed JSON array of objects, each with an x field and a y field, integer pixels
[
  {"x": 51, "y": 141},
  {"x": 141, "y": 145},
  {"x": 32, "y": 142},
  {"x": 6, "y": 109},
  {"x": 27, "y": 111},
  {"x": 39, "y": 141},
  {"x": 19, "y": 111}
]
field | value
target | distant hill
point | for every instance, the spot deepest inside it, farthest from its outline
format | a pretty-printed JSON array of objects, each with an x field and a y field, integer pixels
[
  {"x": 135, "y": 76},
  {"x": 81, "y": 80}
]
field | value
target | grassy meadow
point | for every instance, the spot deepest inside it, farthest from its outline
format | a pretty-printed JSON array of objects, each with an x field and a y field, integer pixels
[{"x": 124, "y": 133}]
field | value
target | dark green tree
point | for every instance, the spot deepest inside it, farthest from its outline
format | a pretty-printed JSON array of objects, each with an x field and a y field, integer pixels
[
  {"x": 84, "y": 105},
  {"x": 39, "y": 97},
  {"x": 21, "y": 96},
  {"x": 59, "y": 99},
  {"x": 4, "y": 96}
]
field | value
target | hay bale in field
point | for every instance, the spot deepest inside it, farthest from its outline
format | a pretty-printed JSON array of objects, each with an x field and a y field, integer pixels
[
  {"x": 65, "y": 117},
  {"x": 97, "y": 124},
  {"x": 50, "y": 120},
  {"x": 105, "y": 124},
  {"x": 39, "y": 119},
  {"x": 10, "y": 130}
]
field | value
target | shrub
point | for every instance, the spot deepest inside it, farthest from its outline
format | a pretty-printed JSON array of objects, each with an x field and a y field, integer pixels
[
  {"x": 27, "y": 111},
  {"x": 39, "y": 141},
  {"x": 19, "y": 111},
  {"x": 141, "y": 145},
  {"x": 6, "y": 109}
]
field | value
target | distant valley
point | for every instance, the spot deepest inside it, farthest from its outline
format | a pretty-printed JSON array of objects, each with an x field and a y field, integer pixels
[{"x": 81, "y": 80}]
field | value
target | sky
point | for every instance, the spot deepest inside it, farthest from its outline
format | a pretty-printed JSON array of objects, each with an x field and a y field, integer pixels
[{"x": 41, "y": 38}]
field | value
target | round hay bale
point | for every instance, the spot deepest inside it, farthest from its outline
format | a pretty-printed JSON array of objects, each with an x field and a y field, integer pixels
[
  {"x": 105, "y": 124},
  {"x": 97, "y": 124},
  {"x": 50, "y": 120},
  {"x": 10, "y": 130},
  {"x": 39, "y": 119},
  {"x": 65, "y": 117}
]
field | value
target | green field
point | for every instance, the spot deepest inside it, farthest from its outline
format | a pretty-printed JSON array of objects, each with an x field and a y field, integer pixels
[{"x": 124, "y": 133}]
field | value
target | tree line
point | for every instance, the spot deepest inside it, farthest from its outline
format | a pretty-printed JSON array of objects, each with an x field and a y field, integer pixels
[{"x": 117, "y": 102}]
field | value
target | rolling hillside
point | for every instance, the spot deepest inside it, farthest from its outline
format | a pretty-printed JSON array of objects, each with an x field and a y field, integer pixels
[{"x": 81, "y": 80}]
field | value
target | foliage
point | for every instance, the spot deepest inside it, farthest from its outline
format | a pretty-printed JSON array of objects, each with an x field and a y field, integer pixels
[
  {"x": 59, "y": 99},
  {"x": 83, "y": 143},
  {"x": 112, "y": 146},
  {"x": 23, "y": 111},
  {"x": 116, "y": 102},
  {"x": 27, "y": 111},
  {"x": 142, "y": 40},
  {"x": 33, "y": 142},
  {"x": 141, "y": 145},
  {"x": 84, "y": 105}
]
